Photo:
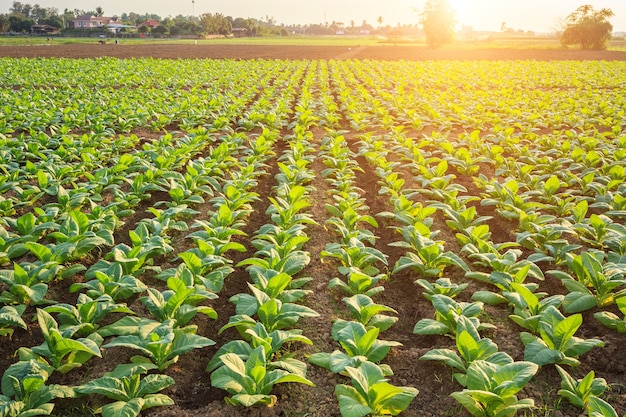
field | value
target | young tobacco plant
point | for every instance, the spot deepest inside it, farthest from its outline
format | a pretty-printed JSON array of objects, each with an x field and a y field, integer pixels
[
  {"x": 360, "y": 344},
  {"x": 272, "y": 343},
  {"x": 491, "y": 388},
  {"x": 579, "y": 391},
  {"x": 161, "y": 343},
  {"x": 83, "y": 318},
  {"x": 365, "y": 311},
  {"x": 556, "y": 342},
  {"x": 63, "y": 352},
  {"x": 131, "y": 393},
  {"x": 371, "y": 394},
  {"x": 358, "y": 282},
  {"x": 26, "y": 285},
  {"x": 426, "y": 256},
  {"x": 11, "y": 316},
  {"x": 441, "y": 286},
  {"x": 250, "y": 382},
  {"x": 24, "y": 393},
  {"x": 111, "y": 281},
  {"x": 470, "y": 347},
  {"x": 611, "y": 320},
  {"x": 272, "y": 312},
  {"x": 179, "y": 302},
  {"x": 592, "y": 283},
  {"x": 528, "y": 306},
  {"x": 355, "y": 255},
  {"x": 447, "y": 313}
]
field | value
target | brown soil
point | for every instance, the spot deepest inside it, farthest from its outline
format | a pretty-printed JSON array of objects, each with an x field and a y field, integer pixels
[
  {"x": 396, "y": 52},
  {"x": 193, "y": 393}
]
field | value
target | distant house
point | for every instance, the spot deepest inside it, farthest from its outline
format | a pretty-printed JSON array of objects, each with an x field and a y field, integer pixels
[
  {"x": 118, "y": 27},
  {"x": 91, "y": 22},
  {"x": 239, "y": 32},
  {"x": 44, "y": 30},
  {"x": 151, "y": 23}
]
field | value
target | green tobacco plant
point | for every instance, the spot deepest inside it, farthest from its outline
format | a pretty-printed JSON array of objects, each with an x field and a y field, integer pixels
[
  {"x": 441, "y": 286},
  {"x": 597, "y": 407},
  {"x": 11, "y": 316},
  {"x": 209, "y": 272},
  {"x": 78, "y": 235},
  {"x": 83, "y": 318},
  {"x": 470, "y": 347},
  {"x": 579, "y": 391},
  {"x": 272, "y": 343},
  {"x": 462, "y": 219},
  {"x": 365, "y": 311},
  {"x": 426, "y": 256},
  {"x": 285, "y": 211},
  {"x": 250, "y": 382},
  {"x": 592, "y": 282},
  {"x": 346, "y": 221},
  {"x": 26, "y": 285},
  {"x": 138, "y": 258},
  {"x": 270, "y": 236},
  {"x": 504, "y": 281},
  {"x": 358, "y": 282},
  {"x": 556, "y": 342},
  {"x": 447, "y": 313},
  {"x": 132, "y": 393},
  {"x": 111, "y": 281},
  {"x": 360, "y": 344},
  {"x": 611, "y": 320},
  {"x": 63, "y": 352},
  {"x": 278, "y": 285},
  {"x": 24, "y": 393},
  {"x": 273, "y": 313},
  {"x": 179, "y": 302},
  {"x": 409, "y": 212},
  {"x": 161, "y": 343},
  {"x": 371, "y": 394},
  {"x": 355, "y": 255},
  {"x": 290, "y": 263},
  {"x": 491, "y": 388},
  {"x": 528, "y": 306},
  {"x": 507, "y": 263}
]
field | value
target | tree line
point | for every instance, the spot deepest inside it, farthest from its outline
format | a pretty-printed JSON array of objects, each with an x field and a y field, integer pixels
[
  {"x": 587, "y": 27},
  {"x": 23, "y": 15}
]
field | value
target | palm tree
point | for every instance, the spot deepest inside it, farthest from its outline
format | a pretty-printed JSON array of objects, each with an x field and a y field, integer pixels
[{"x": 99, "y": 11}]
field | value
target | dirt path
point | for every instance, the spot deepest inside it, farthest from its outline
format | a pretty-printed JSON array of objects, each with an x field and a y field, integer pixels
[{"x": 390, "y": 52}]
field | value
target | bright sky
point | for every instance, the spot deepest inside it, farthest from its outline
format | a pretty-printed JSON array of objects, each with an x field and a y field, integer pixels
[{"x": 537, "y": 15}]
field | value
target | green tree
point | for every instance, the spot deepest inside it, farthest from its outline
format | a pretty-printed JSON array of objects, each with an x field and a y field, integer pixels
[
  {"x": 20, "y": 24},
  {"x": 588, "y": 28},
  {"x": 99, "y": 11},
  {"x": 159, "y": 30},
  {"x": 55, "y": 21},
  {"x": 4, "y": 22},
  {"x": 438, "y": 22},
  {"x": 215, "y": 24}
]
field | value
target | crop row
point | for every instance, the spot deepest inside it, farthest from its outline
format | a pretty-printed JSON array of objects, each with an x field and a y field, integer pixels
[{"x": 145, "y": 202}]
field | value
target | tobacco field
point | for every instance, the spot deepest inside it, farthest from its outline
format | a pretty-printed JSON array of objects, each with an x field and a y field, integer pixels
[{"x": 209, "y": 237}]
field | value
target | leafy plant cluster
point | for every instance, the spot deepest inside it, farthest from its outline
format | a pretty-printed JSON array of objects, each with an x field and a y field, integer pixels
[
  {"x": 471, "y": 146},
  {"x": 249, "y": 367},
  {"x": 533, "y": 310},
  {"x": 370, "y": 393}
]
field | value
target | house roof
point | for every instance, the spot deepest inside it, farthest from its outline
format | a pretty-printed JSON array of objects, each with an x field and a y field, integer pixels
[
  {"x": 150, "y": 22},
  {"x": 92, "y": 17}
]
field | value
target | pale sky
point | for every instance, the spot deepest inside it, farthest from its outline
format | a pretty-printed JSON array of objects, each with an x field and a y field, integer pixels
[{"x": 537, "y": 15}]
